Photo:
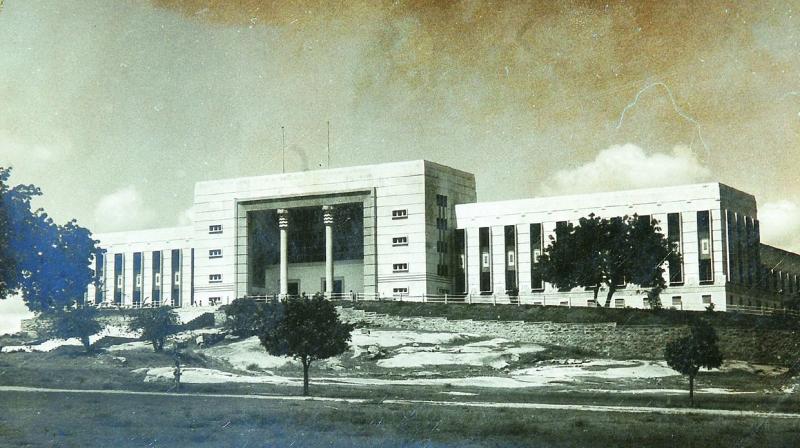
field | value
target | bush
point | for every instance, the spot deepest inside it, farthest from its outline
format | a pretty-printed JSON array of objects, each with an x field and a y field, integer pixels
[
  {"x": 156, "y": 324},
  {"x": 242, "y": 317},
  {"x": 76, "y": 323}
]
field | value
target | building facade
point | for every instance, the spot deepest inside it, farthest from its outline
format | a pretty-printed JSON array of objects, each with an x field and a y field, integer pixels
[{"x": 414, "y": 230}]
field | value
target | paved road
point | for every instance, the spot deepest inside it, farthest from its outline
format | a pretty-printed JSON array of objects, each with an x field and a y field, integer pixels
[{"x": 475, "y": 404}]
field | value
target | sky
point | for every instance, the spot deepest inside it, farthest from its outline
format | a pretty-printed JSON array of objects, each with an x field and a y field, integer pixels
[{"x": 117, "y": 108}]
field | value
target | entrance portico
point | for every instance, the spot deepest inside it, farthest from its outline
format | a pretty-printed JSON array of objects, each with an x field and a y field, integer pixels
[{"x": 306, "y": 245}]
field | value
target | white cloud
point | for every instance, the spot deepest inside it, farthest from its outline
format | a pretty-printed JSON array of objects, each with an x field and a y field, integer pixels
[
  {"x": 186, "y": 217},
  {"x": 627, "y": 166},
  {"x": 17, "y": 151},
  {"x": 780, "y": 224},
  {"x": 122, "y": 210},
  {"x": 12, "y": 312}
]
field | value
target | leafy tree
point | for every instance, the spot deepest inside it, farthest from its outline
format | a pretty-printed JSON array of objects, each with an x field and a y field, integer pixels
[
  {"x": 76, "y": 323},
  {"x": 48, "y": 263},
  {"x": 606, "y": 252},
  {"x": 156, "y": 324},
  {"x": 697, "y": 350},
  {"x": 242, "y": 317},
  {"x": 304, "y": 328}
]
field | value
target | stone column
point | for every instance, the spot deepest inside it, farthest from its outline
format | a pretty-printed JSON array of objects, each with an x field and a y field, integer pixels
[
  {"x": 283, "y": 225},
  {"x": 327, "y": 219}
]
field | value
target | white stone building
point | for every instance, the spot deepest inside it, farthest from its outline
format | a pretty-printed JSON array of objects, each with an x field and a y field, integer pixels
[{"x": 414, "y": 230}]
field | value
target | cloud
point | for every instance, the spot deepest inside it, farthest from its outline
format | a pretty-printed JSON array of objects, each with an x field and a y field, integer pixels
[
  {"x": 123, "y": 209},
  {"x": 17, "y": 151},
  {"x": 12, "y": 312},
  {"x": 186, "y": 217},
  {"x": 780, "y": 224},
  {"x": 627, "y": 166}
]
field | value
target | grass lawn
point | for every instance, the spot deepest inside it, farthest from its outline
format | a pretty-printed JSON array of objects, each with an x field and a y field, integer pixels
[{"x": 32, "y": 419}]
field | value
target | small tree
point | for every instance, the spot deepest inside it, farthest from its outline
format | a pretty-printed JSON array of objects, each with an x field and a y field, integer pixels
[
  {"x": 242, "y": 317},
  {"x": 606, "y": 252},
  {"x": 307, "y": 329},
  {"x": 156, "y": 324},
  {"x": 76, "y": 323},
  {"x": 697, "y": 350}
]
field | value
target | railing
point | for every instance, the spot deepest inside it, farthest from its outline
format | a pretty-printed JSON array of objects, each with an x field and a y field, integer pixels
[
  {"x": 539, "y": 299},
  {"x": 762, "y": 310}
]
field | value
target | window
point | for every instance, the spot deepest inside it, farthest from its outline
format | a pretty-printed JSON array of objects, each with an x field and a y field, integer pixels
[
  {"x": 157, "y": 280},
  {"x": 138, "y": 280},
  {"x": 177, "y": 279},
  {"x": 706, "y": 300},
  {"x": 443, "y": 291},
  {"x": 619, "y": 303},
  {"x": 400, "y": 241},
  {"x": 400, "y": 267},
  {"x": 215, "y": 228},
  {"x": 215, "y": 278},
  {"x": 510, "y": 236},
  {"x": 441, "y": 200},
  {"x": 675, "y": 261},
  {"x": 704, "y": 247},
  {"x": 537, "y": 283},
  {"x": 119, "y": 282},
  {"x": 484, "y": 247},
  {"x": 215, "y": 253},
  {"x": 676, "y": 301},
  {"x": 399, "y": 214},
  {"x": 441, "y": 223},
  {"x": 400, "y": 291}
]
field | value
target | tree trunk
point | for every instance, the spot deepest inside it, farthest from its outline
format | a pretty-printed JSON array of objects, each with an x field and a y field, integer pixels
[
  {"x": 596, "y": 292},
  {"x": 691, "y": 390},
  {"x": 611, "y": 290},
  {"x": 86, "y": 344},
  {"x": 306, "y": 364}
]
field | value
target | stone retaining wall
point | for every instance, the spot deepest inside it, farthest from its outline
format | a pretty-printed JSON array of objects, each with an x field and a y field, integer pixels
[{"x": 609, "y": 339}]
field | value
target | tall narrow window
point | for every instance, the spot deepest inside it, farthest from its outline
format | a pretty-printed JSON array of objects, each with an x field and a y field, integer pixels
[
  {"x": 511, "y": 258},
  {"x": 461, "y": 262},
  {"x": 537, "y": 244},
  {"x": 674, "y": 233},
  {"x": 137, "y": 278},
  {"x": 484, "y": 245},
  {"x": 100, "y": 275},
  {"x": 155, "y": 293},
  {"x": 118, "y": 278},
  {"x": 705, "y": 247},
  {"x": 176, "y": 277}
]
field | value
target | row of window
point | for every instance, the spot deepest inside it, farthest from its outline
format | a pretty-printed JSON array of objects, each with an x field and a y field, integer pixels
[{"x": 675, "y": 262}]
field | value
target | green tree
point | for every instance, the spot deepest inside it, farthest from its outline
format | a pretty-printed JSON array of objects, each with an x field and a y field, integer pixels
[
  {"x": 606, "y": 252},
  {"x": 304, "y": 328},
  {"x": 76, "y": 323},
  {"x": 156, "y": 324},
  {"x": 688, "y": 354},
  {"x": 49, "y": 264},
  {"x": 242, "y": 317}
]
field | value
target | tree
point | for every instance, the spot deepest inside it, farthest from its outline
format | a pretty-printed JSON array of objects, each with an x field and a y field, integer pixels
[
  {"x": 49, "y": 264},
  {"x": 156, "y": 324},
  {"x": 77, "y": 323},
  {"x": 304, "y": 328},
  {"x": 606, "y": 252},
  {"x": 242, "y": 317},
  {"x": 689, "y": 354}
]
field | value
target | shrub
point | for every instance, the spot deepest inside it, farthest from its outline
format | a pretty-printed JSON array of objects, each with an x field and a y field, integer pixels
[
  {"x": 242, "y": 317},
  {"x": 156, "y": 324},
  {"x": 76, "y": 323}
]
